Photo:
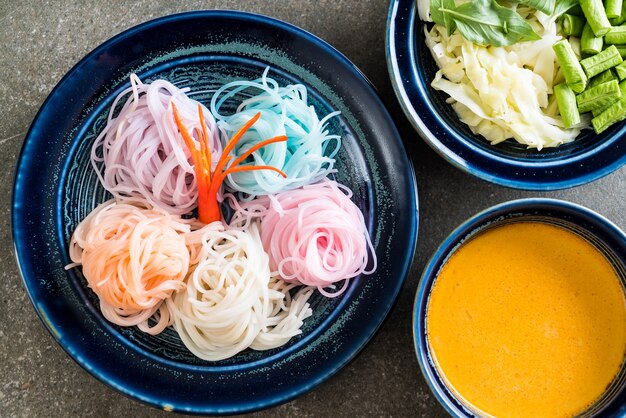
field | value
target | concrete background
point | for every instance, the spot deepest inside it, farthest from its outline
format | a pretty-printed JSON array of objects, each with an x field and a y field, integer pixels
[{"x": 41, "y": 41}]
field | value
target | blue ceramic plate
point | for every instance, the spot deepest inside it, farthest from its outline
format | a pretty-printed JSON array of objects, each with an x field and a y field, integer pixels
[
  {"x": 412, "y": 68},
  {"x": 55, "y": 188},
  {"x": 601, "y": 232}
]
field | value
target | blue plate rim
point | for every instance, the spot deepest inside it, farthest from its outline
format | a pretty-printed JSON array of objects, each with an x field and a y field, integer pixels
[
  {"x": 401, "y": 17},
  {"x": 19, "y": 247}
]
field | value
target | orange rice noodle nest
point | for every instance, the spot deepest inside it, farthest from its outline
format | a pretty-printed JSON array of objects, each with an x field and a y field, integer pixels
[{"x": 133, "y": 258}]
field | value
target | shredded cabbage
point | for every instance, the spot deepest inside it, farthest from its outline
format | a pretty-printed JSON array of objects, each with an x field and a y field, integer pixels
[
  {"x": 503, "y": 92},
  {"x": 423, "y": 9}
]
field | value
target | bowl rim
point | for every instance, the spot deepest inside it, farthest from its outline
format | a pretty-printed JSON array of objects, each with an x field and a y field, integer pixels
[
  {"x": 448, "y": 246},
  {"x": 399, "y": 52},
  {"x": 339, "y": 362}
]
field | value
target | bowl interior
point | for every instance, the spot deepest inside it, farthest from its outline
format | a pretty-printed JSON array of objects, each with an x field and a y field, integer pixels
[
  {"x": 509, "y": 149},
  {"x": 412, "y": 69},
  {"x": 81, "y": 192},
  {"x": 606, "y": 237}
]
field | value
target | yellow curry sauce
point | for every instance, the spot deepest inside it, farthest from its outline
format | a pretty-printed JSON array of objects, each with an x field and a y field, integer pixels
[{"x": 527, "y": 320}]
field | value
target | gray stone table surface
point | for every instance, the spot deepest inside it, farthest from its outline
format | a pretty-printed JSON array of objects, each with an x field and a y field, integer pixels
[{"x": 40, "y": 41}]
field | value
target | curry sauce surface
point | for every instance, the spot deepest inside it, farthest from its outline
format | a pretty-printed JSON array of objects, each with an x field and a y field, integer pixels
[{"x": 527, "y": 320}]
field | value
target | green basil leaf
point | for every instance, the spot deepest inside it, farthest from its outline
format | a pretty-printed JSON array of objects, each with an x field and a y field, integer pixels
[
  {"x": 440, "y": 17},
  {"x": 485, "y": 22},
  {"x": 563, "y": 6},
  {"x": 545, "y": 6}
]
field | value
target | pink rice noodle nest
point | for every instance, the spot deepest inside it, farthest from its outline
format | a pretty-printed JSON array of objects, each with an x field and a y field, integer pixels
[{"x": 314, "y": 235}]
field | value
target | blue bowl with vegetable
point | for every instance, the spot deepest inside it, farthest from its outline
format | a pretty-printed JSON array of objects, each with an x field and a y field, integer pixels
[{"x": 479, "y": 87}]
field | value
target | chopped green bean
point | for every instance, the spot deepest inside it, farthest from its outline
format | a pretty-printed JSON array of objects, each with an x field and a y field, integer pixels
[
  {"x": 616, "y": 36},
  {"x": 576, "y": 11},
  {"x": 619, "y": 20},
  {"x": 572, "y": 71},
  {"x": 566, "y": 101},
  {"x": 573, "y": 25},
  {"x": 622, "y": 50},
  {"x": 621, "y": 71},
  {"x": 613, "y": 8},
  {"x": 598, "y": 63},
  {"x": 622, "y": 89},
  {"x": 613, "y": 114},
  {"x": 603, "y": 77},
  {"x": 596, "y": 16},
  {"x": 574, "y": 42},
  {"x": 596, "y": 112},
  {"x": 590, "y": 43},
  {"x": 598, "y": 96}
]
